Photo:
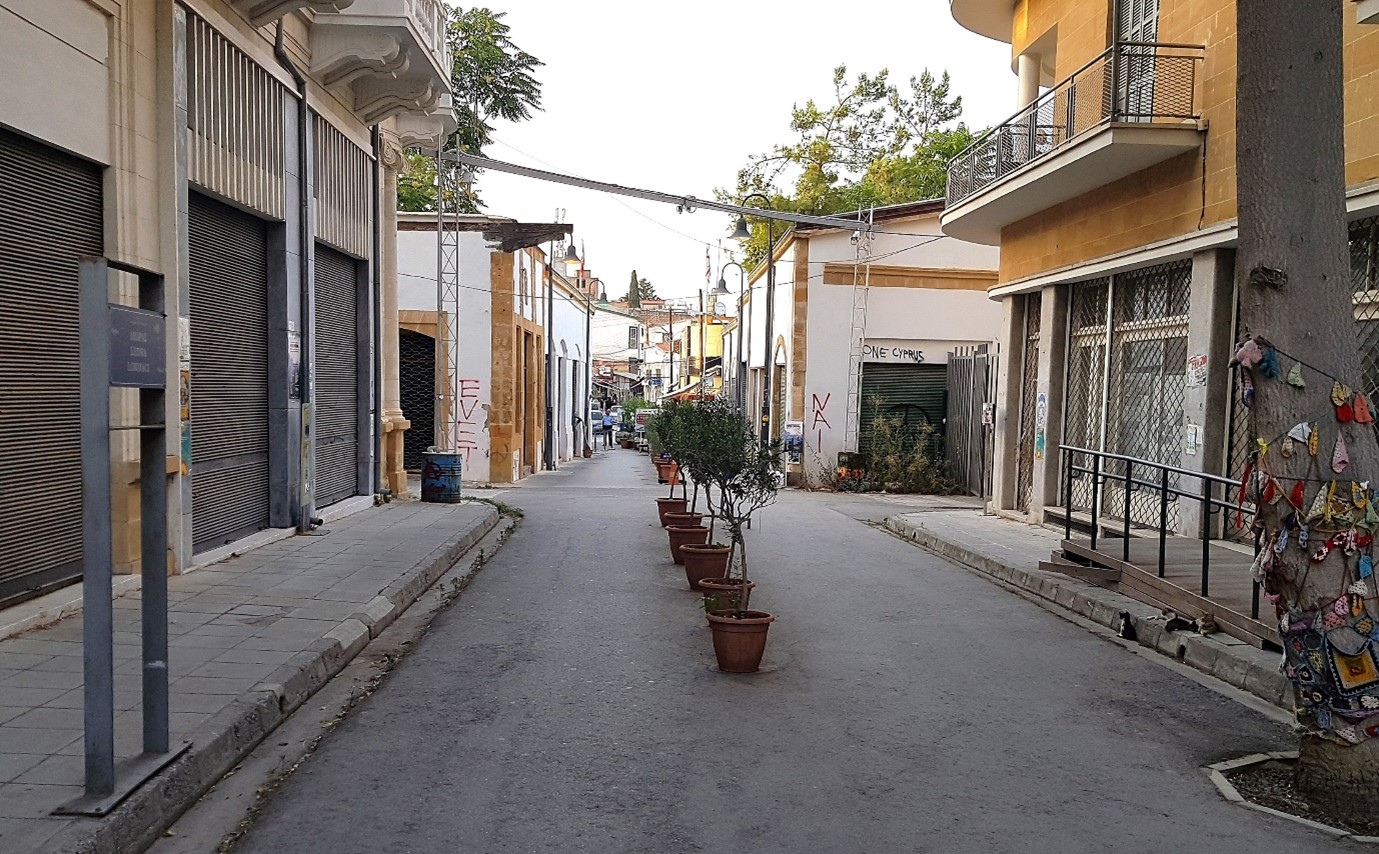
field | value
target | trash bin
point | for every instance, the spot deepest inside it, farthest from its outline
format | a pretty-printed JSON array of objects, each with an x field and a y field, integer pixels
[{"x": 440, "y": 477}]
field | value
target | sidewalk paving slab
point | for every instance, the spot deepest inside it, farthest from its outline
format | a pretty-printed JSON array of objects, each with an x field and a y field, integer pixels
[
  {"x": 250, "y": 638},
  {"x": 1010, "y": 552}
]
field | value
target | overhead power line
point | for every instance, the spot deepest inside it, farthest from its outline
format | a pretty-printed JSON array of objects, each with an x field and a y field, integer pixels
[{"x": 684, "y": 203}]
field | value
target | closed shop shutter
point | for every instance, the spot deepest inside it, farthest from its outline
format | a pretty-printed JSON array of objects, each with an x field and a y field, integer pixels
[
  {"x": 50, "y": 213},
  {"x": 336, "y": 424},
  {"x": 229, "y": 401},
  {"x": 913, "y": 395}
]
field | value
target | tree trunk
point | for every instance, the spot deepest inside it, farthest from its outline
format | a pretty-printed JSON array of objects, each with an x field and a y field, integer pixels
[{"x": 1293, "y": 276}]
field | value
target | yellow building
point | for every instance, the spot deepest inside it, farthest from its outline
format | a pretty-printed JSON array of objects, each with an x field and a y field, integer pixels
[
  {"x": 1112, "y": 196},
  {"x": 699, "y": 355}
]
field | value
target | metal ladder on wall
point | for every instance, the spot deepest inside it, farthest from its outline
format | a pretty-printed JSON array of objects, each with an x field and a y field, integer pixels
[{"x": 861, "y": 289}]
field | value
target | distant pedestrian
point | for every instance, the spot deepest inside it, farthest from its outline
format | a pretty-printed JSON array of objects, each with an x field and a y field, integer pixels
[{"x": 607, "y": 429}]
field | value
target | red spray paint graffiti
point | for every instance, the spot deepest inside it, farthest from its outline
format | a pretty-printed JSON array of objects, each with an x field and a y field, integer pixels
[
  {"x": 465, "y": 428},
  {"x": 820, "y": 407}
]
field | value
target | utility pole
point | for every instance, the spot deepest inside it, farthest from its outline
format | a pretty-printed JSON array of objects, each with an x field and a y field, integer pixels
[
  {"x": 703, "y": 355},
  {"x": 670, "y": 334},
  {"x": 1293, "y": 278}
]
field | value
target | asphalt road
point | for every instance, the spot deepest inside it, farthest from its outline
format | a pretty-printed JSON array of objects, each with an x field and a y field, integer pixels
[{"x": 568, "y": 703}]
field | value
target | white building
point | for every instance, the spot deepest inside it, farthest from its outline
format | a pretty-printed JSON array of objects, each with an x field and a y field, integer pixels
[
  {"x": 922, "y": 296},
  {"x": 493, "y": 408}
]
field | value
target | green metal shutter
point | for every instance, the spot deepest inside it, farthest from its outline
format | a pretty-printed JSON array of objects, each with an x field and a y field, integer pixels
[
  {"x": 229, "y": 400},
  {"x": 50, "y": 214},
  {"x": 914, "y": 394},
  {"x": 336, "y": 423}
]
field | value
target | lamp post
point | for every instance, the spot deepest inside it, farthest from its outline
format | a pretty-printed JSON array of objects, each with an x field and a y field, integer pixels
[
  {"x": 739, "y": 386},
  {"x": 742, "y": 233}
]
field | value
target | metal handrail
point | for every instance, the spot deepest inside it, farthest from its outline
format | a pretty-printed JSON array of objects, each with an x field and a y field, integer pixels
[
  {"x": 1208, "y": 503},
  {"x": 1086, "y": 99}
]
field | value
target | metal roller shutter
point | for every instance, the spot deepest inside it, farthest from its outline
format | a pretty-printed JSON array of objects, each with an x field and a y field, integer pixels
[
  {"x": 229, "y": 401},
  {"x": 336, "y": 424},
  {"x": 914, "y": 394},
  {"x": 50, "y": 213}
]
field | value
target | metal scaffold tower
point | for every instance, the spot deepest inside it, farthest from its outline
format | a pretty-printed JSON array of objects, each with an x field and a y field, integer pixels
[
  {"x": 861, "y": 289},
  {"x": 448, "y": 190}
]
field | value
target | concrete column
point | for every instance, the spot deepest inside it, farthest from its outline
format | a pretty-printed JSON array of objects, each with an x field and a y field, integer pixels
[
  {"x": 1007, "y": 427},
  {"x": 394, "y": 422},
  {"x": 1027, "y": 67},
  {"x": 1053, "y": 370},
  {"x": 1206, "y": 400}
]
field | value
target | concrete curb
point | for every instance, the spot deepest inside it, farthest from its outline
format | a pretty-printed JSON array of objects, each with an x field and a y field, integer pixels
[
  {"x": 239, "y": 728},
  {"x": 1232, "y": 661}
]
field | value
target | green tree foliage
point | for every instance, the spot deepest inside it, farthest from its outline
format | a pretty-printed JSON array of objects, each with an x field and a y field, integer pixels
[
  {"x": 873, "y": 143},
  {"x": 639, "y": 289},
  {"x": 493, "y": 79}
]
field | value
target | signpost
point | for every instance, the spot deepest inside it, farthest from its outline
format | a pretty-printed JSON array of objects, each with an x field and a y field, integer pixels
[{"x": 122, "y": 347}]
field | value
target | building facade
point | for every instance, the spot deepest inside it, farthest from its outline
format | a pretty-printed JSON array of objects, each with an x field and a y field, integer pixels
[
  {"x": 848, "y": 336},
  {"x": 1112, "y": 197},
  {"x": 237, "y": 150},
  {"x": 489, "y": 390}
]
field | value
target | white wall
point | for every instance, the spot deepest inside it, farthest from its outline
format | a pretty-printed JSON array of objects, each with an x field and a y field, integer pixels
[
  {"x": 570, "y": 317},
  {"x": 416, "y": 285}
]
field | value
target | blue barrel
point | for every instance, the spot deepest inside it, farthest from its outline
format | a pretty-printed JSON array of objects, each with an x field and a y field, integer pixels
[{"x": 440, "y": 477}]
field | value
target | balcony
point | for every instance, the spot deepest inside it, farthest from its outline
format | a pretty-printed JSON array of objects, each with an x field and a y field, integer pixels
[
  {"x": 990, "y": 18},
  {"x": 388, "y": 56},
  {"x": 1082, "y": 134},
  {"x": 263, "y": 12}
]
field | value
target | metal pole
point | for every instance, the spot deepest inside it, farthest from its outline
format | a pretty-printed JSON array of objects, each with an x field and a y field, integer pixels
[
  {"x": 153, "y": 538},
  {"x": 1096, "y": 497},
  {"x": 1163, "y": 518},
  {"x": 770, "y": 355},
  {"x": 703, "y": 355},
  {"x": 548, "y": 447},
  {"x": 739, "y": 371},
  {"x": 1069, "y": 458},
  {"x": 1125, "y": 546},
  {"x": 1206, "y": 534},
  {"x": 588, "y": 364},
  {"x": 98, "y": 612},
  {"x": 670, "y": 333}
]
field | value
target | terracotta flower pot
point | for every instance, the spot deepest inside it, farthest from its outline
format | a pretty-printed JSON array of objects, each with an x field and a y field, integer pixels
[
  {"x": 665, "y": 506},
  {"x": 668, "y": 473},
  {"x": 739, "y": 641},
  {"x": 727, "y": 592},
  {"x": 683, "y": 519},
  {"x": 703, "y": 562},
  {"x": 693, "y": 535},
  {"x": 626, "y": 443}
]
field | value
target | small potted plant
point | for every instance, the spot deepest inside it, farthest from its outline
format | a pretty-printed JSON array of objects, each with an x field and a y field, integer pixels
[{"x": 746, "y": 479}]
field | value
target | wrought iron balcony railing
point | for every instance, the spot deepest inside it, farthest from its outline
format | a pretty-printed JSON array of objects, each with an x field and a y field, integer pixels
[{"x": 1153, "y": 82}]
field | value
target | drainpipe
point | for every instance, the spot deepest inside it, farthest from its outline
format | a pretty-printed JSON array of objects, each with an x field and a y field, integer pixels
[
  {"x": 306, "y": 519},
  {"x": 377, "y": 338}
]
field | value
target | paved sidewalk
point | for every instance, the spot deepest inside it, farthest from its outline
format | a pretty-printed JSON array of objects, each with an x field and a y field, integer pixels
[
  {"x": 1010, "y": 552},
  {"x": 250, "y": 638}
]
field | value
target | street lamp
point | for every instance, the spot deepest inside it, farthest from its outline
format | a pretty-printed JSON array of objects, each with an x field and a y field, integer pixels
[
  {"x": 742, "y": 233},
  {"x": 739, "y": 386}
]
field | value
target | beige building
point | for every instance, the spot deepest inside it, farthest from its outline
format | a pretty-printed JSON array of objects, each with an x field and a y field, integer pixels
[
  {"x": 240, "y": 150},
  {"x": 1112, "y": 196}
]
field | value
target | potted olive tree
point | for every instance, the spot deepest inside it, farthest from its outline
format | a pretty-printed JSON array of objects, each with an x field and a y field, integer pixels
[
  {"x": 746, "y": 480},
  {"x": 665, "y": 430},
  {"x": 710, "y": 445}
]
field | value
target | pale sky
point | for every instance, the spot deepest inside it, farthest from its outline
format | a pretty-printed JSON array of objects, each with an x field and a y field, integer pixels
[{"x": 675, "y": 96}]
